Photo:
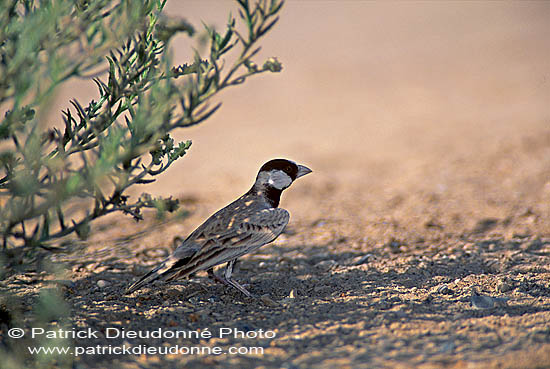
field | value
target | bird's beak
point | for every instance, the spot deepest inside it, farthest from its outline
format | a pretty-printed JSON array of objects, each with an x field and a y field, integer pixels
[{"x": 303, "y": 170}]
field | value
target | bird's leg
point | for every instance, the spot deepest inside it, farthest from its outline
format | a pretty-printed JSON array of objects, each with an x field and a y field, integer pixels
[
  {"x": 231, "y": 281},
  {"x": 213, "y": 276},
  {"x": 226, "y": 279}
]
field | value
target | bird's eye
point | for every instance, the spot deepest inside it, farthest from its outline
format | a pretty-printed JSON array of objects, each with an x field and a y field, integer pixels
[{"x": 288, "y": 168}]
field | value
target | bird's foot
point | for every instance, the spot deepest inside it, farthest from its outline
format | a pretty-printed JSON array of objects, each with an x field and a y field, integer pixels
[
  {"x": 238, "y": 286},
  {"x": 228, "y": 282}
]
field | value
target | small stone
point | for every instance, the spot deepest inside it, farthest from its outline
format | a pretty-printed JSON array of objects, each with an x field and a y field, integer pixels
[
  {"x": 444, "y": 289},
  {"x": 102, "y": 283},
  {"x": 292, "y": 294},
  {"x": 362, "y": 259},
  {"x": 482, "y": 302}
]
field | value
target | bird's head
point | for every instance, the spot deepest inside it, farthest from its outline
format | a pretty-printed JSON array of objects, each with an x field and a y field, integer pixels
[{"x": 280, "y": 173}]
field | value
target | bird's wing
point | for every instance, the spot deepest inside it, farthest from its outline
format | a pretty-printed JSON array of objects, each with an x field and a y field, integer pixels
[
  {"x": 166, "y": 268},
  {"x": 227, "y": 239}
]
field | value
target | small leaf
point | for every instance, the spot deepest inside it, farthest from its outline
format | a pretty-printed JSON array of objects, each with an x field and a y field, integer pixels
[{"x": 265, "y": 29}]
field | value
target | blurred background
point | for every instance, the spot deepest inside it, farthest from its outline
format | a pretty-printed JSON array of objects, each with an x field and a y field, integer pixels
[{"x": 381, "y": 99}]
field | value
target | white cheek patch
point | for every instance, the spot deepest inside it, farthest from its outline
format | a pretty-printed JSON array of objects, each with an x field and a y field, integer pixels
[{"x": 279, "y": 179}]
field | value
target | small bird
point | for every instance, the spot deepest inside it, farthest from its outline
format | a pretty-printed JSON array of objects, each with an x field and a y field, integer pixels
[{"x": 243, "y": 226}]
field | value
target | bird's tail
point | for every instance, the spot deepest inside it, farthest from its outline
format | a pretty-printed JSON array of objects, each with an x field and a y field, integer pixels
[{"x": 164, "y": 270}]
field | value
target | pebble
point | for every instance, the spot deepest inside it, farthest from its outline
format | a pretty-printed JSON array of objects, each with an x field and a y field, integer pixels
[
  {"x": 482, "y": 302},
  {"x": 102, "y": 283},
  {"x": 444, "y": 289},
  {"x": 362, "y": 259},
  {"x": 488, "y": 302}
]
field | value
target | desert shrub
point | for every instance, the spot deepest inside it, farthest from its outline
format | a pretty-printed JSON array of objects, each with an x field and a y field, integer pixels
[{"x": 103, "y": 147}]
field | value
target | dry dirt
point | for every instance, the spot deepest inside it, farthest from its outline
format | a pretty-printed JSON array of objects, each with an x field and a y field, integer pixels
[{"x": 422, "y": 239}]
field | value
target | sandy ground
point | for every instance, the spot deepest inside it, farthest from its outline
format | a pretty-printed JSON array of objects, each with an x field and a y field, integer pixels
[{"x": 422, "y": 239}]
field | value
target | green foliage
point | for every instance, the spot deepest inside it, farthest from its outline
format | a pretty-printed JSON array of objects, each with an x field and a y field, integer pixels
[{"x": 104, "y": 147}]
